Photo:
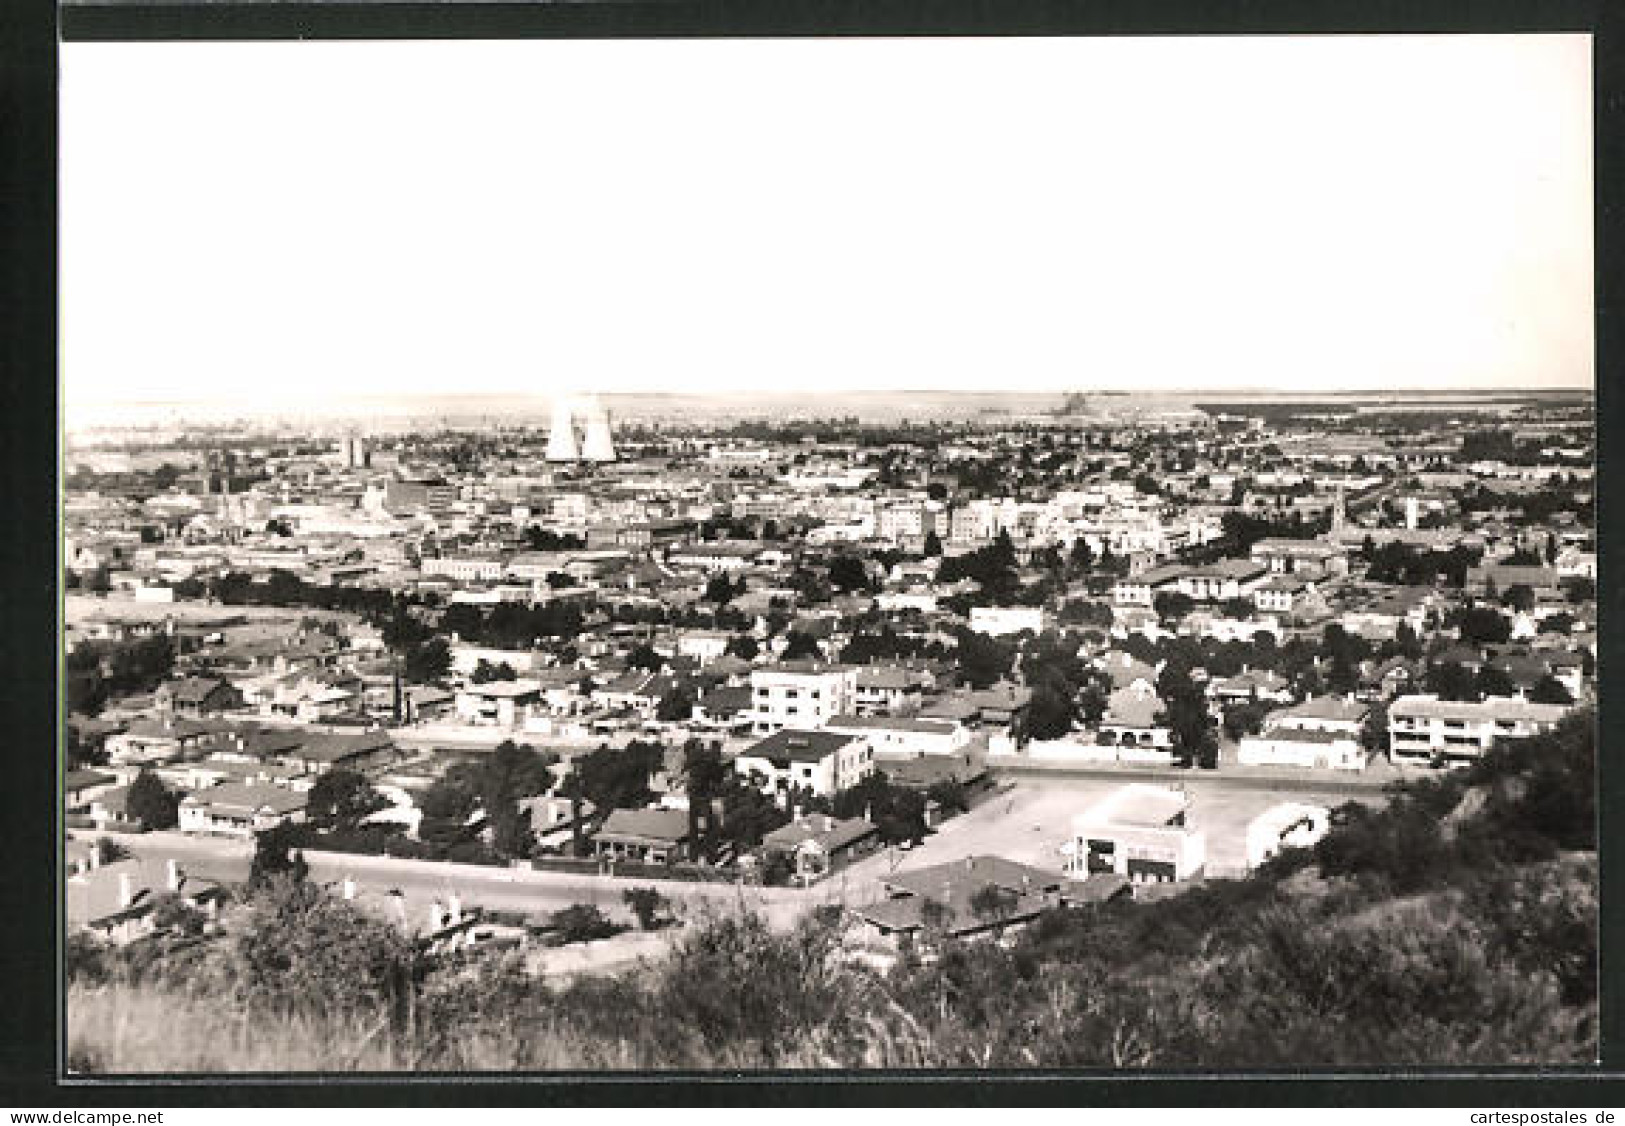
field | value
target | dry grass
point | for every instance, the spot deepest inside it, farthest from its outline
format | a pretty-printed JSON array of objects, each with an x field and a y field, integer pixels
[{"x": 138, "y": 1030}]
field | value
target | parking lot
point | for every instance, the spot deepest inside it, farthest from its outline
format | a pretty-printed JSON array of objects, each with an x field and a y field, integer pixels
[{"x": 1029, "y": 821}]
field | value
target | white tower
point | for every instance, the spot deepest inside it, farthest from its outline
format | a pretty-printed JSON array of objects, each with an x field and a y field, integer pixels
[
  {"x": 598, "y": 444},
  {"x": 561, "y": 443}
]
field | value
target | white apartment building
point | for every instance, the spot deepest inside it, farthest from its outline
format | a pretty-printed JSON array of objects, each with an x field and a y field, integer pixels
[
  {"x": 800, "y": 695},
  {"x": 998, "y": 621},
  {"x": 467, "y": 568},
  {"x": 1426, "y": 729},
  {"x": 898, "y": 737}
]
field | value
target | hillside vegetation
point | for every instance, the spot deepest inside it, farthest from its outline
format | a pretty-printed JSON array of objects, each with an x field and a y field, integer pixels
[{"x": 1457, "y": 925}]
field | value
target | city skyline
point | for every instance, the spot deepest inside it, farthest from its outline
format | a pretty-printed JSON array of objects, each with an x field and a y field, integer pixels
[{"x": 901, "y": 229}]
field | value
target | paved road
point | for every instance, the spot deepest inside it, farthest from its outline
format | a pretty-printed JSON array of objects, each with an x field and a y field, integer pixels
[
  {"x": 502, "y": 889},
  {"x": 1059, "y": 776}
]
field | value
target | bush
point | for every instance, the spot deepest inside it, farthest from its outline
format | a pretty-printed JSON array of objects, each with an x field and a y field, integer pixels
[{"x": 582, "y": 922}]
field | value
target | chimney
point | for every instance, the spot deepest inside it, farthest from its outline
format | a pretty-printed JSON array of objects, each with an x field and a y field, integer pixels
[
  {"x": 434, "y": 916},
  {"x": 126, "y": 893},
  {"x": 795, "y": 812},
  {"x": 95, "y": 856},
  {"x": 349, "y": 887},
  {"x": 455, "y": 912},
  {"x": 172, "y": 875}
]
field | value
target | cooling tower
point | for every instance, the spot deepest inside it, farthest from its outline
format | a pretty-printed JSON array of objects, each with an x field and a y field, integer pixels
[
  {"x": 598, "y": 445},
  {"x": 561, "y": 443}
]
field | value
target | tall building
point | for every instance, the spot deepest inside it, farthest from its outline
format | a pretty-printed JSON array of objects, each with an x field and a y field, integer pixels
[
  {"x": 561, "y": 443},
  {"x": 581, "y": 431}
]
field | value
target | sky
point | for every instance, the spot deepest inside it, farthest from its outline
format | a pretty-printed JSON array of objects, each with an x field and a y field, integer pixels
[{"x": 275, "y": 224}]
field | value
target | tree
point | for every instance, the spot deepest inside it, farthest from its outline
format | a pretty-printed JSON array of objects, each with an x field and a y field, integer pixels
[
  {"x": 485, "y": 672},
  {"x": 1519, "y": 596},
  {"x": 933, "y": 545},
  {"x": 799, "y": 646},
  {"x": 1050, "y": 714},
  {"x": 299, "y": 948},
  {"x": 428, "y": 661},
  {"x": 983, "y": 659},
  {"x": 1481, "y": 625},
  {"x": 743, "y": 646},
  {"x": 647, "y": 904},
  {"x": 644, "y": 657},
  {"x": 847, "y": 573},
  {"x": 676, "y": 706},
  {"x": 276, "y": 854},
  {"x": 1493, "y": 680},
  {"x": 1172, "y": 606},
  {"x": 950, "y": 795},
  {"x": 719, "y": 590},
  {"x": 1549, "y": 690},
  {"x": 1186, "y": 714},
  {"x": 342, "y": 799},
  {"x": 150, "y": 803},
  {"x": 446, "y": 807},
  {"x": 1450, "y": 680},
  {"x": 582, "y": 922},
  {"x": 1245, "y": 719},
  {"x": 613, "y": 779},
  {"x": 992, "y": 904}
]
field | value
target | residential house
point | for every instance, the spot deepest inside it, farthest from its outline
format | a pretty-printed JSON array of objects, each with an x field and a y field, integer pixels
[
  {"x": 966, "y": 897},
  {"x": 821, "y": 761},
  {"x": 363, "y": 752},
  {"x": 650, "y": 836},
  {"x": 502, "y": 703},
  {"x": 1310, "y": 559},
  {"x": 116, "y": 901},
  {"x": 156, "y": 740},
  {"x": 1320, "y": 732},
  {"x": 241, "y": 810},
  {"x": 1249, "y": 686},
  {"x": 817, "y": 844},
  {"x": 889, "y": 689},
  {"x": 196, "y": 696},
  {"x": 81, "y": 787},
  {"x": 1133, "y": 718}
]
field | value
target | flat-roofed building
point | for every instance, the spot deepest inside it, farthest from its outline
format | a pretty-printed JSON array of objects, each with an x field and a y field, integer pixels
[
  {"x": 902, "y": 737},
  {"x": 1428, "y": 730},
  {"x": 800, "y": 694},
  {"x": 1142, "y": 832}
]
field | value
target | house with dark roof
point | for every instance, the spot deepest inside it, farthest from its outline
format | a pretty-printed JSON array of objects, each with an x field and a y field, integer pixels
[
  {"x": 976, "y": 895},
  {"x": 817, "y": 843},
  {"x": 651, "y": 836},
  {"x": 361, "y": 751},
  {"x": 117, "y": 901},
  {"x": 822, "y": 761},
  {"x": 196, "y": 696}
]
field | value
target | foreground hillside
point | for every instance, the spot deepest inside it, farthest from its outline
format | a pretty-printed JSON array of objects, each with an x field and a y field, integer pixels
[{"x": 1455, "y": 926}]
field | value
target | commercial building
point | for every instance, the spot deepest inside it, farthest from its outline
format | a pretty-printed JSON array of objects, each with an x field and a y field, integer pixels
[{"x": 1142, "y": 832}]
